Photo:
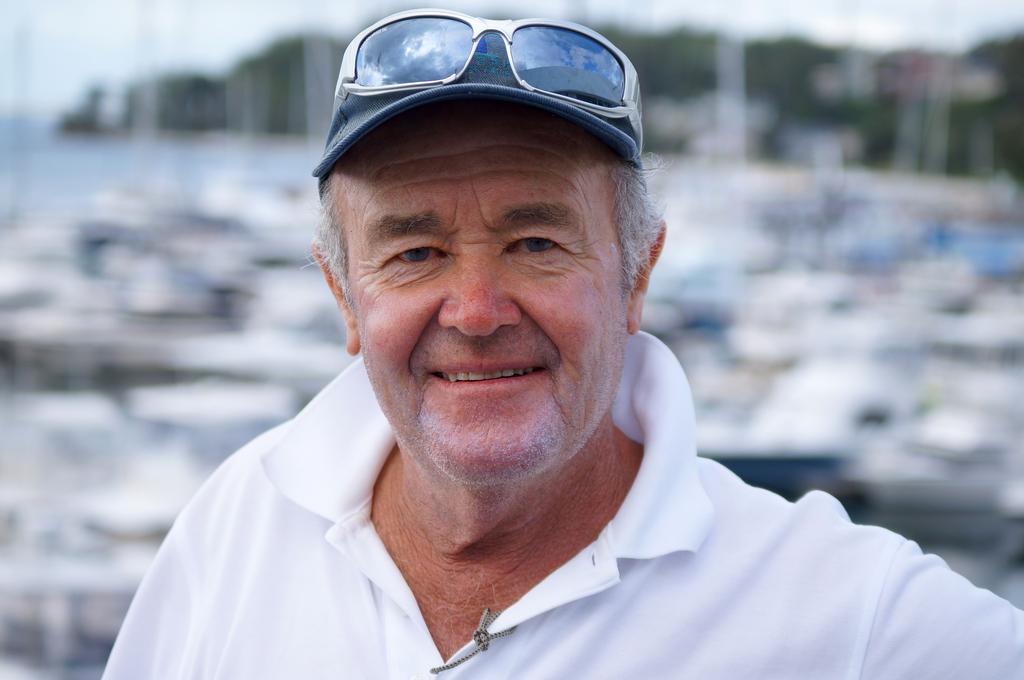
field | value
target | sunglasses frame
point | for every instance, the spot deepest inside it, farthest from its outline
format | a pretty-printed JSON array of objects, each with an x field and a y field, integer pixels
[{"x": 630, "y": 106}]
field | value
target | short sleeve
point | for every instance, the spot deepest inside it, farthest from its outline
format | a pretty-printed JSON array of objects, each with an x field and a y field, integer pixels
[{"x": 931, "y": 623}]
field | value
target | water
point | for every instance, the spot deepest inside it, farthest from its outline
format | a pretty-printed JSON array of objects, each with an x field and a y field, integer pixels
[{"x": 46, "y": 173}]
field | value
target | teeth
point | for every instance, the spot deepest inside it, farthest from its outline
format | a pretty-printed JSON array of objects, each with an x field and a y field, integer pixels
[{"x": 506, "y": 373}]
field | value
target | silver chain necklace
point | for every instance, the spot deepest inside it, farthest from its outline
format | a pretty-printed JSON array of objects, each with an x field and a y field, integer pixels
[{"x": 481, "y": 637}]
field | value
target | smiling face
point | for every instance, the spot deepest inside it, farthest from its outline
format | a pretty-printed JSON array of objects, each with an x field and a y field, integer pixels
[{"x": 485, "y": 286}]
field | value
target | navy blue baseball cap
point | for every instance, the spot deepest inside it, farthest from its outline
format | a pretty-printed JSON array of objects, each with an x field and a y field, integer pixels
[{"x": 488, "y": 76}]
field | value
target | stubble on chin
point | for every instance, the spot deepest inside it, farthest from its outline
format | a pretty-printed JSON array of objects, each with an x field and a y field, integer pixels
[{"x": 480, "y": 456}]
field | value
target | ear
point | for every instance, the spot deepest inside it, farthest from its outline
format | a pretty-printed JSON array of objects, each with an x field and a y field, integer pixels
[
  {"x": 351, "y": 328},
  {"x": 635, "y": 306}
]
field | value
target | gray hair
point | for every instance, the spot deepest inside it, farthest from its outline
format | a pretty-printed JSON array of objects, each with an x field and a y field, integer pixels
[{"x": 637, "y": 213}]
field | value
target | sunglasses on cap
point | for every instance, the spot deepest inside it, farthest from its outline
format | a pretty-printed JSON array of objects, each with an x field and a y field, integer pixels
[{"x": 424, "y": 49}]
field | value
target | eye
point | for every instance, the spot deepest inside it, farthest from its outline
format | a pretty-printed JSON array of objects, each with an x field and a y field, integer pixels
[
  {"x": 415, "y": 254},
  {"x": 537, "y": 245}
]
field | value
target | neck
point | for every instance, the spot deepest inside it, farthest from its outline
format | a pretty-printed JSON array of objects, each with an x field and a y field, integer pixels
[{"x": 462, "y": 549}]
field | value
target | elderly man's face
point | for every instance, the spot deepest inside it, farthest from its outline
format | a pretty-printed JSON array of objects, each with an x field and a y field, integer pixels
[{"x": 485, "y": 286}]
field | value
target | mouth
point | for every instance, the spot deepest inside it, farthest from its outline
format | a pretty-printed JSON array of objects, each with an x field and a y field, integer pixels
[{"x": 463, "y": 376}]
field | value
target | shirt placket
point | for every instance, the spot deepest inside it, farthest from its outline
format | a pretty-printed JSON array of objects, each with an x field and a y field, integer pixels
[
  {"x": 409, "y": 648},
  {"x": 593, "y": 570}
]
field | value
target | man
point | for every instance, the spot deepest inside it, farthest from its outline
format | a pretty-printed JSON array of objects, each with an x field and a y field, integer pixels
[{"x": 506, "y": 484}]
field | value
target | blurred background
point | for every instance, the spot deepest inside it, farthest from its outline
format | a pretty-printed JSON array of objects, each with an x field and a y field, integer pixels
[{"x": 842, "y": 280}]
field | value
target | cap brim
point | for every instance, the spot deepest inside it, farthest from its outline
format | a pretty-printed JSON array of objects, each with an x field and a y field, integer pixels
[{"x": 351, "y": 130}]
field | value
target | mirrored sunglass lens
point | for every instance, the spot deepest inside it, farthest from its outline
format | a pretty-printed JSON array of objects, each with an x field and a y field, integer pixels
[
  {"x": 412, "y": 51},
  {"x": 569, "y": 63}
]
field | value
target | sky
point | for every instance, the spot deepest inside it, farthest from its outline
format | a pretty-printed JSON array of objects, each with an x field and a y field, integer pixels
[{"x": 52, "y": 50}]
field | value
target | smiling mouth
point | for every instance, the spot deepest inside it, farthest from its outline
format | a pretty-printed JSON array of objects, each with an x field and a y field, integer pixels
[{"x": 472, "y": 377}]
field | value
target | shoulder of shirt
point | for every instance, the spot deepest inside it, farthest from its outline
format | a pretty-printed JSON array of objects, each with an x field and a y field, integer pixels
[
  {"x": 908, "y": 608},
  {"x": 814, "y": 525},
  {"x": 237, "y": 490},
  {"x": 245, "y": 461},
  {"x": 808, "y": 552}
]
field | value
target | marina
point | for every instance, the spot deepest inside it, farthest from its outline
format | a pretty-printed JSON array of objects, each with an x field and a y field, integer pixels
[{"x": 855, "y": 331}]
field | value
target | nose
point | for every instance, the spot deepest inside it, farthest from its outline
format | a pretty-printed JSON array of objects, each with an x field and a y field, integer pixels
[{"x": 478, "y": 302}]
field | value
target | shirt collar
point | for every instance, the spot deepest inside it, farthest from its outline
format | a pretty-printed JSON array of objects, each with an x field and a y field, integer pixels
[
  {"x": 667, "y": 509},
  {"x": 331, "y": 453}
]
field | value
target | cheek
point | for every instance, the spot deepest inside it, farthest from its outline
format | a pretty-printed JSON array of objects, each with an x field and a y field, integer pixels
[
  {"x": 391, "y": 325},
  {"x": 580, "y": 317}
]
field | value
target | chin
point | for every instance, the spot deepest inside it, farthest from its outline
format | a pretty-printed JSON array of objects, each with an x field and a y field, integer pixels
[{"x": 486, "y": 459}]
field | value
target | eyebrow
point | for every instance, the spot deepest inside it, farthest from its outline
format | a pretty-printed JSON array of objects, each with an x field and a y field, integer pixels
[
  {"x": 391, "y": 227},
  {"x": 552, "y": 214}
]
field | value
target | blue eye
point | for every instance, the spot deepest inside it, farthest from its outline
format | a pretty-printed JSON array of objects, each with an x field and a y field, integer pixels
[
  {"x": 416, "y": 254},
  {"x": 538, "y": 245}
]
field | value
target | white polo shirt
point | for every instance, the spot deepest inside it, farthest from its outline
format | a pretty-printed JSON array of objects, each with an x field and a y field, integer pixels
[{"x": 274, "y": 570}]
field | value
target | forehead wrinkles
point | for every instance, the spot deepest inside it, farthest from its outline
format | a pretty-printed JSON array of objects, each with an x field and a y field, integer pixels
[
  {"x": 494, "y": 158},
  {"x": 406, "y": 185},
  {"x": 531, "y": 186}
]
